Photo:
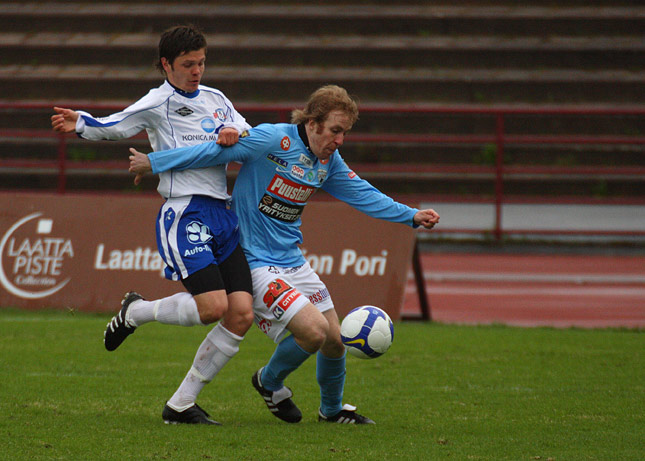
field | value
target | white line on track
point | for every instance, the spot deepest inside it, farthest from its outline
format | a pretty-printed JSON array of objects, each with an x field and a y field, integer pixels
[
  {"x": 618, "y": 279},
  {"x": 612, "y": 292}
]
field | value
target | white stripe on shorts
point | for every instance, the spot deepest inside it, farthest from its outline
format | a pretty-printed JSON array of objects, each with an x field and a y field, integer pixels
[{"x": 169, "y": 241}]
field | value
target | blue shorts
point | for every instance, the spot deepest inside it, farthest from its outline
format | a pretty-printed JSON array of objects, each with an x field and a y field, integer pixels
[{"x": 195, "y": 232}]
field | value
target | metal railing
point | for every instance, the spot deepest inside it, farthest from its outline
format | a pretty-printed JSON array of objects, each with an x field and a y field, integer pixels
[{"x": 499, "y": 137}]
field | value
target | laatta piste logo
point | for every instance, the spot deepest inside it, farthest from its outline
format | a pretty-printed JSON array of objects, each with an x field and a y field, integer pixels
[{"x": 32, "y": 258}]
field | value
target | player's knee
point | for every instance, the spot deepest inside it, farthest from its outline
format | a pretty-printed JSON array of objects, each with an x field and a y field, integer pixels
[
  {"x": 211, "y": 307},
  {"x": 316, "y": 335},
  {"x": 248, "y": 318},
  {"x": 240, "y": 318},
  {"x": 213, "y": 314},
  {"x": 334, "y": 346},
  {"x": 318, "y": 339}
]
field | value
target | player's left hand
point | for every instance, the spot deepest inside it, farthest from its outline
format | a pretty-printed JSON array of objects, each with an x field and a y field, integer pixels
[
  {"x": 426, "y": 218},
  {"x": 228, "y": 137},
  {"x": 139, "y": 164}
]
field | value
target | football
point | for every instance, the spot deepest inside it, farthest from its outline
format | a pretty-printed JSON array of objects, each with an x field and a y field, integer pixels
[{"x": 367, "y": 332}]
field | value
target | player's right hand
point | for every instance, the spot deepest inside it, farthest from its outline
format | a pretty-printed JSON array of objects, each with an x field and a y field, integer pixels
[{"x": 64, "y": 121}]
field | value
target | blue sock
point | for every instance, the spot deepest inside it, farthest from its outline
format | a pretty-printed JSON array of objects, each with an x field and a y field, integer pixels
[
  {"x": 287, "y": 357},
  {"x": 330, "y": 374}
]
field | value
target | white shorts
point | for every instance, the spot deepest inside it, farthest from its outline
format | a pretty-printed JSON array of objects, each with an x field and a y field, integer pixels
[{"x": 279, "y": 293}]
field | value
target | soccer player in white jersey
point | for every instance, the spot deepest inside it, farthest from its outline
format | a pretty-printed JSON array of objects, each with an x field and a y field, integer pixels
[
  {"x": 197, "y": 235},
  {"x": 283, "y": 165}
]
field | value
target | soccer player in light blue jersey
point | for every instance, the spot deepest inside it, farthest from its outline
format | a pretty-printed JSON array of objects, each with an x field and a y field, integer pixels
[
  {"x": 197, "y": 234},
  {"x": 283, "y": 165}
]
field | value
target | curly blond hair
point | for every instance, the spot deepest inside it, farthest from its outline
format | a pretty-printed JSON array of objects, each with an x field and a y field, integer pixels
[{"x": 323, "y": 101}]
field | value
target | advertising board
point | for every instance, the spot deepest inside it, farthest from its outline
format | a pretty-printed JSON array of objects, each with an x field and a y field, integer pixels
[{"x": 83, "y": 252}]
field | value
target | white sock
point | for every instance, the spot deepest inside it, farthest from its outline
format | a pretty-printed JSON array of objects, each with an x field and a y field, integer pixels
[
  {"x": 141, "y": 312},
  {"x": 178, "y": 309},
  {"x": 219, "y": 346}
]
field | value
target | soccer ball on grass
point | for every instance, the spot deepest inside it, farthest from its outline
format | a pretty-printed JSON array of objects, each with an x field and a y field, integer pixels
[{"x": 367, "y": 332}]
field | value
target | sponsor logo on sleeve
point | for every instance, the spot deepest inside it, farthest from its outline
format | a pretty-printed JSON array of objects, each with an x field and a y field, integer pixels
[
  {"x": 351, "y": 175},
  {"x": 285, "y": 144}
]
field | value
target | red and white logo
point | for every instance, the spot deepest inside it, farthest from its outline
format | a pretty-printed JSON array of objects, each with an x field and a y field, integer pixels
[
  {"x": 281, "y": 307},
  {"x": 297, "y": 171},
  {"x": 288, "y": 299},
  {"x": 275, "y": 289},
  {"x": 264, "y": 325},
  {"x": 351, "y": 175},
  {"x": 280, "y": 290},
  {"x": 290, "y": 190},
  {"x": 285, "y": 143}
]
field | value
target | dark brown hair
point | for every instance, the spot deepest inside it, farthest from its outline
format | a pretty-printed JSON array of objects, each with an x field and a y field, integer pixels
[{"x": 179, "y": 40}]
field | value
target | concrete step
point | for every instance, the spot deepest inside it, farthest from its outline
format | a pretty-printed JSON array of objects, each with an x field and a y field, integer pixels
[
  {"x": 140, "y": 49},
  {"x": 293, "y": 83},
  {"x": 359, "y": 19},
  {"x": 353, "y": 3}
]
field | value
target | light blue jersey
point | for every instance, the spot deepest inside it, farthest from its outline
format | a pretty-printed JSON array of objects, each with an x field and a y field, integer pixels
[{"x": 279, "y": 175}]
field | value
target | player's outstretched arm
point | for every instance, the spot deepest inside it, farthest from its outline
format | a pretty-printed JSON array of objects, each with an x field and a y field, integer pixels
[
  {"x": 139, "y": 164},
  {"x": 64, "y": 120},
  {"x": 426, "y": 218}
]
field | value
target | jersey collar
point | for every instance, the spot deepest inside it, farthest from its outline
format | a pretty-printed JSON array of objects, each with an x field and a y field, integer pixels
[
  {"x": 302, "y": 132},
  {"x": 185, "y": 94}
]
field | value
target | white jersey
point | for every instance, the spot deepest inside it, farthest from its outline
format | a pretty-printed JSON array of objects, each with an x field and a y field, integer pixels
[{"x": 173, "y": 118}]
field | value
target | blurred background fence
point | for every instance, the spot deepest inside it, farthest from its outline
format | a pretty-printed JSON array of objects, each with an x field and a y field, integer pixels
[{"x": 587, "y": 160}]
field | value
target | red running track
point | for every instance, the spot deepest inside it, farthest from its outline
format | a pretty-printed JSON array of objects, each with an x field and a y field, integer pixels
[{"x": 587, "y": 291}]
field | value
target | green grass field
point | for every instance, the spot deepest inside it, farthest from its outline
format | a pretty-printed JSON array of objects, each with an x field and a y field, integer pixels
[{"x": 441, "y": 392}]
